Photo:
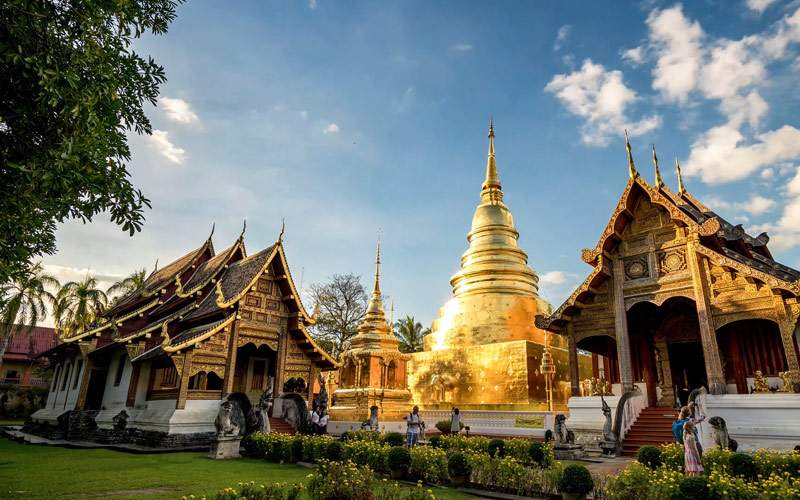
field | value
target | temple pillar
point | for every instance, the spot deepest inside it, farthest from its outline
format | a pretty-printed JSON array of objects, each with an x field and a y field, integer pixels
[
  {"x": 708, "y": 335},
  {"x": 84, "y": 389},
  {"x": 183, "y": 390},
  {"x": 230, "y": 363},
  {"x": 574, "y": 375},
  {"x": 787, "y": 332},
  {"x": 621, "y": 327},
  {"x": 133, "y": 385}
]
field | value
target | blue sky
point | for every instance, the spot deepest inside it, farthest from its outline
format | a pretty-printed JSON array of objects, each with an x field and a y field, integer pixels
[{"x": 346, "y": 118}]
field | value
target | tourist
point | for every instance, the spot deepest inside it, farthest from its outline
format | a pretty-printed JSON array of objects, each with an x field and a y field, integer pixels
[
  {"x": 415, "y": 425},
  {"x": 684, "y": 416},
  {"x": 455, "y": 421},
  {"x": 323, "y": 422},
  {"x": 315, "y": 421},
  {"x": 691, "y": 453}
]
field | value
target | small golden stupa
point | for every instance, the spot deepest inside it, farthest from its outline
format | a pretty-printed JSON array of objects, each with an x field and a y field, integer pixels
[
  {"x": 484, "y": 351},
  {"x": 373, "y": 369}
]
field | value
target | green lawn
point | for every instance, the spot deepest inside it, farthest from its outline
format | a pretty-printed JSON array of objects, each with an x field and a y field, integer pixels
[{"x": 31, "y": 471}]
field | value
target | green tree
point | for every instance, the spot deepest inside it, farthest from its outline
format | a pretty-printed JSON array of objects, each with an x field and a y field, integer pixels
[
  {"x": 71, "y": 88},
  {"x": 78, "y": 304},
  {"x": 126, "y": 285},
  {"x": 24, "y": 303},
  {"x": 342, "y": 303},
  {"x": 410, "y": 334}
]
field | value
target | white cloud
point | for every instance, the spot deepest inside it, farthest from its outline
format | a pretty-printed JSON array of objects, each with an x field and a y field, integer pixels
[
  {"x": 312, "y": 4},
  {"x": 562, "y": 36},
  {"x": 553, "y": 278},
  {"x": 332, "y": 128},
  {"x": 461, "y": 47},
  {"x": 677, "y": 42},
  {"x": 161, "y": 143},
  {"x": 601, "y": 98},
  {"x": 767, "y": 174},
  {"x": 178, "y": 110},
  {"x": 634, "y": 55},
  {"x": 756, "y": 205},
  {"x": 721, "y": 154},
  {"x": 759, "y": 5}
]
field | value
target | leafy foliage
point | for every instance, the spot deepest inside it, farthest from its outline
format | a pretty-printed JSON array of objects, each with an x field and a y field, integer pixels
[
  {"x": 497, "y": 448},
  {"x": 694, "y": 488},
  {"x": 410, "y": 333},
  {"x": 126, "y": 285},
  {"x": 23, "y": 303},
  {"x": 458, "y": 466},
  {"x": 78, "y": 305},
  {"x": 743, "y": 465},
  {"x": 71, "y": 88},
  {"x": 393, "y": 439},
  {"x": 649, "y": 456},
  {"x": 538, "y": 453},
  {"x": 399, "y": 458},
  {"x": 576, "y": 479},
  {"x": 335, "y": 480},
  {"x": 342, "y": 304}
]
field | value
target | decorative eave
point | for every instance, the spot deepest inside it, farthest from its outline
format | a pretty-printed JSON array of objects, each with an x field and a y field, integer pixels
[
  {"x": 180, "y": 292},
  {"x": 114, "y": 322},
  {"x": 160, "y": 324},
  {"x": 213, "y": 329},
  {"x": 385, "y": 354},
  {"x": 792, "y": 287},
  {"x": 613, "y": 230},
  {"x": 315, "y": 348},
  {"x": 208, "y": 245},
  {"x": 222, "y": 303},
  {"x": 307, "y": 320},
  {"x": 600, "y": 273}
]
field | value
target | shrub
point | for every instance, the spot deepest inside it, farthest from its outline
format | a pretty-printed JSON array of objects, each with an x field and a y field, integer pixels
[
  {"x": 576, "y": 480},
  {"x": 394, "y": 439},
  {"x": 275, "y": 491},
  {"x": 429, "y": 464},
  {"x": 334, "y": 451},
  {"x": 694, "y": 488},
  {"x": 435, "y": 441},
  {"x": 369, "y": 453},
  {"x": 362, "y": 435},
  {"x": 630, "y": 483},
  {"x": 346, "y": 436},
  {"x": 335, "y": 480},
  {"x": 458, "y": 466},
  {"x": 463, "y": 443},
  {"x": 743, "y": 465},
  {"x": 497, "y": 448},
  {"x": 398, "y": 458},
  {"x": 540, "y": 454},
  {"x": 296, "y": 453},
  {"x": 649, "y": 456},
  {"x": 717, "y": 459},
  {"x": 672, "y": 456},
  {"x": 518, "y": 448},
  {"x": 443, "y": 426}
]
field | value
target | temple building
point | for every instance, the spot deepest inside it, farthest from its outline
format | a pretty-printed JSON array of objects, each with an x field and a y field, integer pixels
[
  {"x": 484, "y": 350},
  {"x": 154, "y": 370},
  {"x": 679, "y": 299},
  {"x": 373, "y": 371}
]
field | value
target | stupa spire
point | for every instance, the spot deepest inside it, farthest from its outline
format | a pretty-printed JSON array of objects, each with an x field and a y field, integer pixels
[
  {"x": 491, "y": 190},
  {"x": 632, "y": 173},
  {"x": 681, "y": 188},
  {"x": 659, "y": 180},
  {"x": 377, "y": 288}
]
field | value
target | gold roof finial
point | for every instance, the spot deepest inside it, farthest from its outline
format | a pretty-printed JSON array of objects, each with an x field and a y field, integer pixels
[
  {"x": 632, "y": 173},
  {"x": 681, "y": 188},
  {"x": 659, "y": 180},
  {"x": 283, "y": 230},
  {"x": 155, "y": 268},
  {"x": 377, "y": 288},
  {"x": 491, "y": 189}
]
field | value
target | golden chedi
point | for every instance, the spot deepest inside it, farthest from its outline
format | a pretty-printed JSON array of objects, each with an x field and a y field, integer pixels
[
  {"x": 484, "y": 351},
  {"x": 373, "y": 369}
]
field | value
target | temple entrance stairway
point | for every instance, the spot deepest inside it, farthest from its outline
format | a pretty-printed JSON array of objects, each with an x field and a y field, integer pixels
[
  {"x": 281, "y": 426},
  {"x": 653, "y": 427}
]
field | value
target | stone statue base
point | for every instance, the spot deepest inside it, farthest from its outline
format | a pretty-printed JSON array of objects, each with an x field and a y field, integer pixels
[
  {"x": 609, "y": 448},
  {"x": 568, "y": 451},
  {"x": 225, "y": 447}
]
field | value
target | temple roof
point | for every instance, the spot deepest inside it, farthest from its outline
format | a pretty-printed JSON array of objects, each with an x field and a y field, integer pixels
[
  {"x": 721, "y": 241},
  {"x": 24, "y": 344}
]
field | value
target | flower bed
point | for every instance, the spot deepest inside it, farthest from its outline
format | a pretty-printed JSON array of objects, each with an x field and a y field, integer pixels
[{"x": 764, "y": 474}]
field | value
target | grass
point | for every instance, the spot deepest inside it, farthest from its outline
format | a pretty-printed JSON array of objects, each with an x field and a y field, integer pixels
[
  {"x": 3, "y": 423},
  {"x": 31, "y": 471}
]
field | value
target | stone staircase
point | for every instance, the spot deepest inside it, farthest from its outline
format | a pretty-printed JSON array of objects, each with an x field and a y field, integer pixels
[
  {"x": 281, "y": 426},
  {"x": 653, "y": 427}
]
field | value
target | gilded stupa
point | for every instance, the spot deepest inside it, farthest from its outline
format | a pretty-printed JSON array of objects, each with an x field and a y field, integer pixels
[
  {"x": 484, "y": 350},
  {"x": 373, "y": 369}
]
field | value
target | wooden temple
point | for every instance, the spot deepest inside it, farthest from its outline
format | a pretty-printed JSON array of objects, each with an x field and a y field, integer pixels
[
  {"x": 205, "y": 326},
  {"x": 679, "y": 298}
]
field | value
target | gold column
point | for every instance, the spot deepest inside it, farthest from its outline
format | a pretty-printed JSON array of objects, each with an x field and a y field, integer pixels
[
  {"x": 84, "y": 389},
  {"x": 621, "y": 327},
  {"x": 787, "y": 332},
  {"x": 708, "y": 335},
  {"x": 183, "y": 391},
  {"x": 230, "y": 364},
  {"x": 574, "y": 375}
]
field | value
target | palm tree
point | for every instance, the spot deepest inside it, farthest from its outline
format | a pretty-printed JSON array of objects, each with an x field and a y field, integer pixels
[
  {"x": 78, "y": 304},
  {"x": 125, "y": 286},
  {"x": 410, "y": 333},
  {"x": 24, "y": 302}
]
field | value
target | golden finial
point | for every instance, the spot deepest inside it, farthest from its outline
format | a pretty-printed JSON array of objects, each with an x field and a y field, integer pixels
[
  {"x": 155, "y": 268},
  {"x": 632, "y": 173},
  {"x": 681, "y": 188},
  {"x": 659, "y": 180},
  {"x": 283, "y": 230},
  {"x": 377, "y": 288},
  {"x": 213, "y": 226},
  {"x": 491, "y": 190}
]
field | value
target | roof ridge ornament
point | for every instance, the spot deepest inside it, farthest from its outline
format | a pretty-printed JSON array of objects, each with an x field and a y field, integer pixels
[
  {"x": 283, "y": 230},
  {"x": 659, "y": 180},
  {"x": 632, "y": 173},
  {"x": 491, "y": 190},
  {"x": 681, "y": 188},
  {"x": 377, "y": 287}
]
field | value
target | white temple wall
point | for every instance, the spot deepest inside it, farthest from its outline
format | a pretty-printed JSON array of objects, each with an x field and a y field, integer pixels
[
  {"x": 162, "y": 416},
  {"x": 63, "y": 394},
  {"x": 116, "y": 394}
]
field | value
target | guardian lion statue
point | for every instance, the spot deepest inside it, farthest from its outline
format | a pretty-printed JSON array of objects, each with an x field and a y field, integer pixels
[
  {"x": 720, "y": 434},
  {"x": 224, "y": 422},
  {"x": 562, "y": 434}
]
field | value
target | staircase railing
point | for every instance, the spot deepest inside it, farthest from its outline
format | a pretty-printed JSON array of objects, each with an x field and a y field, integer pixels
[{"x": 630, "y": 405}]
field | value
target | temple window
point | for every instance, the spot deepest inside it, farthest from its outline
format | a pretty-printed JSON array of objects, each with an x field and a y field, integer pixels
[
  {"x": 391, "y": 375},
  {"x": 198, "y": 382}
]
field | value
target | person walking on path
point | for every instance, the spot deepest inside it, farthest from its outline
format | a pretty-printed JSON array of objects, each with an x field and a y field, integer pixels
[
  {"x": 414, "y": 426},
  {"x": 691, "y": 452},
  {"x": 455, "y": 421}
]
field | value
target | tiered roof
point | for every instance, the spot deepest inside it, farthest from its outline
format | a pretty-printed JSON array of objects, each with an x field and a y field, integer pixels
[{"x": 720, "y": 240}]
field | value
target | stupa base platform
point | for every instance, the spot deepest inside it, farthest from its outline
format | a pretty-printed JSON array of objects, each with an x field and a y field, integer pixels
[{"x": 354, "y": 404}]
